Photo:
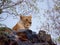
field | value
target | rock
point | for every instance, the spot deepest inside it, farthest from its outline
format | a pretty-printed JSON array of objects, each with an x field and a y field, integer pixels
[
  {"x": 25, "y": 34},
  {"x": 35, "y": 38},
  {"x": 32, "y": 36},
  {"x": 48, "y": 37},
  {"x": 24, "y": 37},
  {"x": 6, "y": 29},
  {"x": 27, "y": 43},
  {"x": 19, "y": 42},
  {"x": 41, "y": 33},
  {"x": 13, "y": 42},
  {"x": 41, "y": 36},
  {"x": 28, "y": 34},
  {"x": 4, "y": 40},
  {"x": 41, "y": 43}
]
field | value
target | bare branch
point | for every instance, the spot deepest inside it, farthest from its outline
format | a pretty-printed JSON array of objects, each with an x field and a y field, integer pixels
[{"x": 13, "y": 5}]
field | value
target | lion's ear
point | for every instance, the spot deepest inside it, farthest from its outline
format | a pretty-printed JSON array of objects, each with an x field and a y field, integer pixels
[
  {"x": 21, "y": 16},
  {"x": 30, "y": 16}
]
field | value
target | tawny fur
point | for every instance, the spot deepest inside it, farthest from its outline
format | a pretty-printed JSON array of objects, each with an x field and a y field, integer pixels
[{"x": 24, "y": 23}]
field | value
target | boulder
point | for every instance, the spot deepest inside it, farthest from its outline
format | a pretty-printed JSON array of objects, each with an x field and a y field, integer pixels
[
  {"x": 43, "y": 37},
  {"x": 45, "y": 43},
  {"x": 6, "y": 29},
  {"x": 24, "y": 37}
]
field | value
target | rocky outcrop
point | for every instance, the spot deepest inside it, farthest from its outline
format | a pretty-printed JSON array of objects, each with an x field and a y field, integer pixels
[{"x": 24, "y": 37}]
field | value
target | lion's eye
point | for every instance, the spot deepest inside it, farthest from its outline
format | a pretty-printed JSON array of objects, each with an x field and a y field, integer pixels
[{"x": 26, "y": 19}]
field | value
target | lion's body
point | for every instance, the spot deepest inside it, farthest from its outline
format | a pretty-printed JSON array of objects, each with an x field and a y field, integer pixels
[{"x": 24, "y": 23}]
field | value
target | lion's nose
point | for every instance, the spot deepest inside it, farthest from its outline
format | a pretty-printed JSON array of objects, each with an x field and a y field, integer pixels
[{"x": 30, "y": 22}]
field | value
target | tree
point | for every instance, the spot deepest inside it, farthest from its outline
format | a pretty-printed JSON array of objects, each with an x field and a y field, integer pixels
[
  {"x": 52, "y": 16},
  {"x": 24, "y": 7}
]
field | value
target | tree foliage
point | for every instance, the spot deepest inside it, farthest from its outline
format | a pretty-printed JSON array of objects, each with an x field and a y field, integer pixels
[
  {"x": 52, "y": 15},
  {"x": 10, "y": 7}
]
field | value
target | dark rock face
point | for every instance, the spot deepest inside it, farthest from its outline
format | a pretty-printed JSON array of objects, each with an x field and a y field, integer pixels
[
  {"x": 41, "y": 43},
  {"x": 24, "y": 37}
]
